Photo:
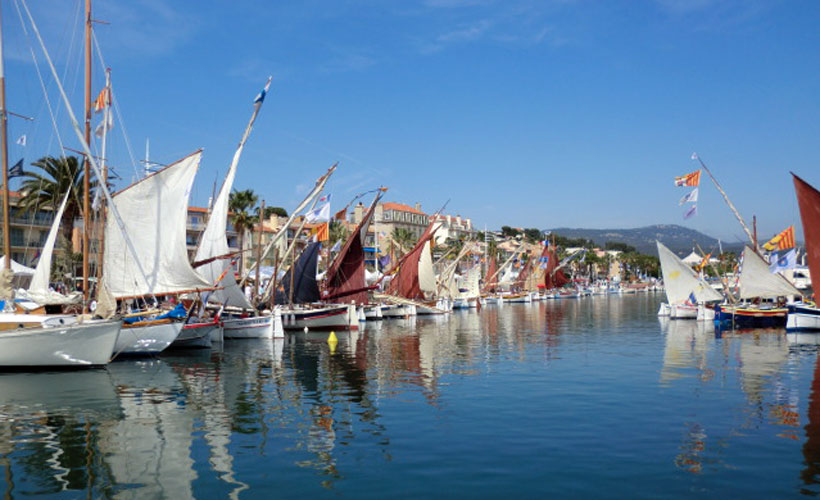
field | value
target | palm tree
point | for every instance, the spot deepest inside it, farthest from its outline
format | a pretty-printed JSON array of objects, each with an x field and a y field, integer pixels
[
  {"x": 242, "y": 204},
  {"x": 404, "y": 238},
  {"x": 46, "y": 189},
  {"x": 338, "y": 232}
]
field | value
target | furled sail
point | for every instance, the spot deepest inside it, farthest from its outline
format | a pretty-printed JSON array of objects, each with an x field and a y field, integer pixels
[
  {"x": 154, "y": 213},
  {"x": 305, "y": 288},
  {"x": 808, "y": 198},
  {"x": 757, "y": 281},
  {"x": 345, "y": 278},
  {"x": 680, "y": 281}
]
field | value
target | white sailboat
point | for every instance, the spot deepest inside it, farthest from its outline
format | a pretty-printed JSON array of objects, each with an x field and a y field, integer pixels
[
  {"x": 214, "y": 243},
  {"x": 153, "y": 212},
  {"x": 681, "y": 284}
]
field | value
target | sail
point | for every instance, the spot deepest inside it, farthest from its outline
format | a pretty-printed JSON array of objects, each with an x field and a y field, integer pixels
[
  {"x": 757, "y": 281},
  {"x": 552, "y": 278},
  {"x": 405, "y": 282},
  {"x": 42, "y": 273},
  {"x": 472, "y": 279},
  {"x": 345, "y": 278},
  {"x": 680, "y": 281},
  {"x": 492, "y": 271},
  {"x": 427, "y": 277},
  {"x": 521, "y": 280},
  {"x": 808, "y": 198},
  {"x": 153, "y": 212},
  {"x": 305, "y": 288}
]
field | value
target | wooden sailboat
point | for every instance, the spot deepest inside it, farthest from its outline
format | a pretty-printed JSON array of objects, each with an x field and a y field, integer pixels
[
  {"x": 682, "y": 284},
  {"x": 805, "y": 316},
  {"x": 44, "y": 341}
]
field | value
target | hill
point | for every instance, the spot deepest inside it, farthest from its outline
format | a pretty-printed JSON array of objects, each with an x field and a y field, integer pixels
[{"x": 678, "y": 238}]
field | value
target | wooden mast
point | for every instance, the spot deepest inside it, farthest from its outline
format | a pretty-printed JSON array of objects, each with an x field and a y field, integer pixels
[
  {"x": 5, "y": 159},
  {"x": 87, "y": 170},
  {"x": 259, "y": 246},
  {"x": 101, "y": 214}
]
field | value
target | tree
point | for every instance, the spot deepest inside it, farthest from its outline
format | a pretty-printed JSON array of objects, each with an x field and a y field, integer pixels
[
  {"x": 404, "y": 238},
  {"x": 617, "y": 245},
  {"x": 338, "y": 232},
  {"x": 46, "y": 189},
  {"x": 242, "y": 204},
  {"x": 281, "y": 212}
]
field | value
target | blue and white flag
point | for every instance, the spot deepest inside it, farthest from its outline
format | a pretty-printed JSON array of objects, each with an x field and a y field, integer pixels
[
  {"x": 321, "y": 214},
  {"x": 689, "y": 198},
  {"x": 261, "y": 97},
  {"x": 324, "y": 199},
  {"x": 783, "y": 262},
  {"x": 691, "y": 212},
  {"x": 17, "y": 169},
  {"x": 22, "y": 140}
]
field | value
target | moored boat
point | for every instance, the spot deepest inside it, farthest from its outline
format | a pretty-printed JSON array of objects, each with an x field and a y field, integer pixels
[{"x": 90, "y": 343}]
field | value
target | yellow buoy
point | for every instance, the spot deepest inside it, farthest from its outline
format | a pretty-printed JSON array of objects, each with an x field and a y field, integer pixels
[{"x": 332, "y": 341}]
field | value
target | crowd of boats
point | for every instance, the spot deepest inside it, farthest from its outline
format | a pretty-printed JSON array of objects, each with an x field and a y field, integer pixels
[{"x": 758, "y": 295}]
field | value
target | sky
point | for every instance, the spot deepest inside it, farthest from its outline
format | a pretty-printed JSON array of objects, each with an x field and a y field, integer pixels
[{"x": 525, "y": 113}]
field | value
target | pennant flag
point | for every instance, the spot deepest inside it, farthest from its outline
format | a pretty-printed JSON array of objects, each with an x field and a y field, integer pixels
[
  {"x": 341, "y": 214},
  {"x": 261, "y": 97},
  {"x": 782, "y": 241},
  {"x": 323, "y": 232},
  {"x": 692, "y": 300},
  {"x": 103, "y": 100},
  {"x": 689, "y": 198},
  {"x": 324, "y": 198},
  {"x": 17, "y": 169},
  {"x": 22, "y": 140},
  {"x": 384, "y": 261},
  {"x": 704, "y": 261},
  {"x": 784, "y": 262},
  {"x": 691, "y": 212},
  {"x": 321, "y": 214},
  {"x": 692, "y": 179}
]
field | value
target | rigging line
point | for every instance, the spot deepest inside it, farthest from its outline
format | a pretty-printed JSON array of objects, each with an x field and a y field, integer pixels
[{"x": 115, "y": 104}]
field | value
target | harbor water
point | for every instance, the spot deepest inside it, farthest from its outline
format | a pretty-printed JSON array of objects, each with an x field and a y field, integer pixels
[{"x": 592, "y": 397}]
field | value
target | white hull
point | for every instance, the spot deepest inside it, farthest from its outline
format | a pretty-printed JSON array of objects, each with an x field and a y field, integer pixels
[
  {"x": 373, "y": 313},
  {"x": 253, "y": 327},
  {"x": 682, "y": 311},
  {"x": 803, "y": 318},
  {"x": 705, "y": 313},
  {"x": 497, "y": 299},
  {"x": 396, "y": 311},
  {"x": 88, "y": 344},
  {"x": 343, "y": 317},
  {"x": 198, "y": 335},
  {"x": 147, "y": 339},
  {"x": 665, "y": 310}
]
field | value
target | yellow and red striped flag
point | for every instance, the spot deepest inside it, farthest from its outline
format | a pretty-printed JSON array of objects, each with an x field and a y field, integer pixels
[
  {"x": 103, "y": 100},
  {"x": 782, "y": 241},
  {"x": 692, "y": 179}
]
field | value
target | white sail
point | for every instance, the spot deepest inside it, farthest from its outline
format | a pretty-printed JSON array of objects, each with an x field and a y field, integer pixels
[
  {"x": 427, "y": 278},
  {"x": 42, "y": 273},
  {"x": 153, "y": 212},
  {"x": 680, "y": 281},
  {"x": 214, "y": 242},
  {"x": 757, "y": 281}
]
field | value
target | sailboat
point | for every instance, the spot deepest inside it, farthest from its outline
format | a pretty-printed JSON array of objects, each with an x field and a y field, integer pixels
[
  {"x": 684, "y": 288},
  {"x": 153, "y": 212},
  {"x": 240, "y": 319},
  {"x": 757, "y": 283},
  {"x": 805, "y": 316},
  {"x": 31, "y": 340}
]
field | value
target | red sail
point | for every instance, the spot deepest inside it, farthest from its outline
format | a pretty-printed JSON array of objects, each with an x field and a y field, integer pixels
[
  {"x": 345, "y": 279},
  {"x": 521, "y": 281},
  {"x": 405, "y": 282},
  {"x": 489, "y": 287},
  {"x": 553, "y": 278},
  {"x": 809, "y": 200}
]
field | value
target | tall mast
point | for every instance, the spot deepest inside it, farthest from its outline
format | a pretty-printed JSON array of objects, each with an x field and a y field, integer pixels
[
  {"x": 87, "y": 172},
  {"x": 4, "y": 157},
  {"x": 728, "y": 202},
  {"x": 101, "y": 213},
  {"x": 259, "y": 246}
]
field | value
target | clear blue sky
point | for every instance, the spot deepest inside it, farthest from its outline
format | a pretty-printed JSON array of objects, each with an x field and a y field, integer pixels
[{"x": 525, "y": 113}]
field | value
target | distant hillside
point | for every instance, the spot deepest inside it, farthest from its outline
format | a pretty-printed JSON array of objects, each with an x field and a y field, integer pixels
[{"x": 678, "y": 238}]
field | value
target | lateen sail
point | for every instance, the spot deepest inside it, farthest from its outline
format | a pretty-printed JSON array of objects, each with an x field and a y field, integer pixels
[
  {"x": 808, "y": 199},
  {"x": 39, "y": 282},
  {"x": 305, "y": 288},
  {"x": 427, "y": 277},
  {"x": 154, "y": 212},
  {"x": 757, "y": 281},
  {"x": 406, "y": 283},
  {"x": 680, "y": 281}
]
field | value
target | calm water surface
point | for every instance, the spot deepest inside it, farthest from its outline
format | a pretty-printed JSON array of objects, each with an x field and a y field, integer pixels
[{"x": 584, "y": 398}]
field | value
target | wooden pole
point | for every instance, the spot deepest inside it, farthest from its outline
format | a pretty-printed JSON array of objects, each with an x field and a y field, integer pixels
[
  {"x": 5, "y": 159},
  {"x": 87, "y": 172},
  {"x": 101, "y": 215},
  {"x": 259, "y": 245}
]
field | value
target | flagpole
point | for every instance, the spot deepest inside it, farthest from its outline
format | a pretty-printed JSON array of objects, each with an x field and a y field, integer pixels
[
  {"x": 4, "y": 159},
  {"x": 728, "y": 202},
  {"x": 87, "y": 166}
]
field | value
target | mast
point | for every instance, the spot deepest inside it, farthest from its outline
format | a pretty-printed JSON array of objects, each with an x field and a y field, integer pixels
[
  {"x": 87, "y": 169},
  {"x": 728, "y": 202},
  {"x": 259, "y": 246},
  {"x": 104, "y": 180},
  {"x": 4, "y": 158}
]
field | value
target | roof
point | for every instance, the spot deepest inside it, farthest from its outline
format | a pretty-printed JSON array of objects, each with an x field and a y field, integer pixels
[
  {"x": 201, "y": 210},
  {"x": 401, "y": 207}
]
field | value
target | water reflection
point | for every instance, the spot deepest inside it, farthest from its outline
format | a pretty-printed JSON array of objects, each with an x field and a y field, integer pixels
[{"x": 310, "y": 416}]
